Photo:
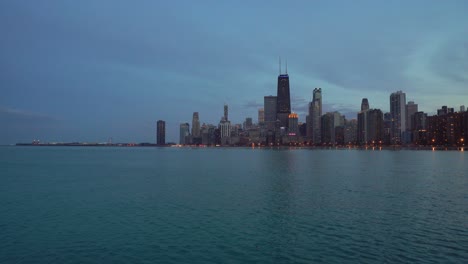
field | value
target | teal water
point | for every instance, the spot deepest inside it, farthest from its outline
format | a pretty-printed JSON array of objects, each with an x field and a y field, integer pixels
[{"x": 181, "y": 205}]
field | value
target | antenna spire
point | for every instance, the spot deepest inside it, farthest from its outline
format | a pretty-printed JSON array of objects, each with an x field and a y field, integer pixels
[
  {"x": 280, "y": 65},
  {"x": 286, "y": 66}
]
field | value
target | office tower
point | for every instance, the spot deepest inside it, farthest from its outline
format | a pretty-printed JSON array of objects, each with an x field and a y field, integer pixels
[
  {"x": 161, "y": 132},
  {"x": 419, "y": 133},
  {"x": 283, "y": 103},
  {"x": 293, "y": 124},
  {"x": 350, "y": 131},
  {"x": 442, "y": 111},
  {"x": 375, "y": 126},
  {"x": 364, "y": 104},
  {"x": 398, "y": 113},
  {"x": 269, "y": 104},
  {"x": 302, "y": 129},
  {"x": 328, "y": 129},
  {"x": 248, "y": 123},
  {"x": 315, "y": 115},
  {"x": 226, "y": 112},
  {"x": 330, "y": 121},
  {"x": 411, "y": 109},
  {"x": 195, "y": 125},
  {"x": 184, "y": 134},
  {"x": 462, "y": 108},
  {"x": 261, "y": 116},
  {"x": 225, "y": 132},
  {"x": 362, "y": 123},
  {"x": 362, "y": 129}
]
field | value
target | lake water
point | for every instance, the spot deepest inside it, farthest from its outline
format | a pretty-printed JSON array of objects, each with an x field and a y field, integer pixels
[{"x": 232, "y": 205}]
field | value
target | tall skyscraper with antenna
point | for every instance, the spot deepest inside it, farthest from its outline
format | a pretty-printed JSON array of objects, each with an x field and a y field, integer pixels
[{"x": 283, "y": 104}]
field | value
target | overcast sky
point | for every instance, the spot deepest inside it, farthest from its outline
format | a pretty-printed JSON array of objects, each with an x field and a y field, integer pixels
[{"x": 92, "y": 70}]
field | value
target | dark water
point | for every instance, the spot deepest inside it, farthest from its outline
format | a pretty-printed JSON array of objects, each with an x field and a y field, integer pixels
[{"x": 168, "y": 205}]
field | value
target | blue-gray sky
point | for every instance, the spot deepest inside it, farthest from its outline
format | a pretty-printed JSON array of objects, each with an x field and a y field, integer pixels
[{"x": 91, "y": 70}]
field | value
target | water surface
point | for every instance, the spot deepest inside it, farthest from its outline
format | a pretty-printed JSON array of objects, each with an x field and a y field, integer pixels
[{"x": 232, "y": 205}]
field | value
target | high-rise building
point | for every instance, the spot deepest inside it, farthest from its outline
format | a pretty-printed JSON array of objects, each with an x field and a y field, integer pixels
[
  {"x": 195, "y": 125},
  {"x": 375, "y": 126},
  {"x": 362, "y": 127},
  {"x": 161, "y": 132},
  {"x": 226, "y": 112},
  {"x": 184, "y": 134},
  {"x": 293, "y": 124},
  {"x": 411, "y": 109},
  {"x": 248, "y": 123},
  {"x": 283, "y": 103},
  {"x": 462, "y": 108},
  {"x": 261, "y": 116},
  {"x": 398, "y": 112},
  {"x": 315, "y": 115},
  {"x": 330, "y": 122},
  {"x": 269, "y": 104},
  {"x": 364, "y": 104},
  {"x": 362, "y": 123},
  {"x": 225, "y": 128},
  {"x": 350, "y": 131}
]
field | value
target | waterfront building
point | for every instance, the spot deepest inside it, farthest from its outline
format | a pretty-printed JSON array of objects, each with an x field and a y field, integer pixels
[
  {"x": 314, "y": 121},
  {"x": 411, "y": 109},
  {"x": 261, "y": 116},
  {"x": 398, "y": 113},
  {"x": 293, "y": 124},
  {"x": 248, "y": 123},
  {"x": 225, "y": 132},
  {"x": 362, "y": 123},
  {"x": 161, "y": 132},
  {"x": 375, "y": 126},
  {"x": 350, "y": 131},
  {"x": 184, "y": 134},
  {"x": 226, "y": 112},
  {"x": 269, "y": 105},
  {"x": 329, "y": 122},
  {"x": 283, "y": 103},
  {"x": 364, "y": 104},
  {"x": 362, "y": 129},
  {"x": 196, "y": 137},
  {"x": 419, "y": 132}
]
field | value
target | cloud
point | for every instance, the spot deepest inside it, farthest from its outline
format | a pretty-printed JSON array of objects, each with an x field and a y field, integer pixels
[
  {"x": 450, "y": 61},
  {"x": 252, "y": 104},
  {"x": 21, "y": 116}
]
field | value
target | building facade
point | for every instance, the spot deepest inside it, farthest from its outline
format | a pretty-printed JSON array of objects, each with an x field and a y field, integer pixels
[
  {"x": 161, "y": 132},
  {"x": 283, "y": 104},
  {"x": 269, "y": 106},
  {"x": 398, "y": 114}
]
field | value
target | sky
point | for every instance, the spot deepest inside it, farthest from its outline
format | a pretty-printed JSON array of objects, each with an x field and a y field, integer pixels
[{"x": 93, "y": 70}]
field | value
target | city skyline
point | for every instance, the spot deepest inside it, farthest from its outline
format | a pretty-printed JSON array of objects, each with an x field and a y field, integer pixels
[{"x": 79, "y": 72}]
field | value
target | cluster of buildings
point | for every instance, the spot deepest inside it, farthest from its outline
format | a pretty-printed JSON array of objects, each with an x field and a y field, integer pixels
[{"x": 278, "y": 125}]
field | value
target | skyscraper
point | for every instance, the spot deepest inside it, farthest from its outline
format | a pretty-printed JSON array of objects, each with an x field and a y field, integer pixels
[
  {"x": 261, "y": 116},
  {"x": 195, "y": 125},
  {"x": 462, "y": 108},
  {"x": 293, "y": 124},
  {"x": 364, "y": 104},
  {"x": 269, "y": 104},
  {"x": 226, "y": 112},
  {"x": 375, "y": 126},
  {"x": 315, "y": 115},
  {"x": 411, "y": 109},
  {"x": 161, "y": 132},
  {"x": 398, "y": 113},
  {"x": 184, "y": 134},
  {"x": 283, "y": 104}
]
